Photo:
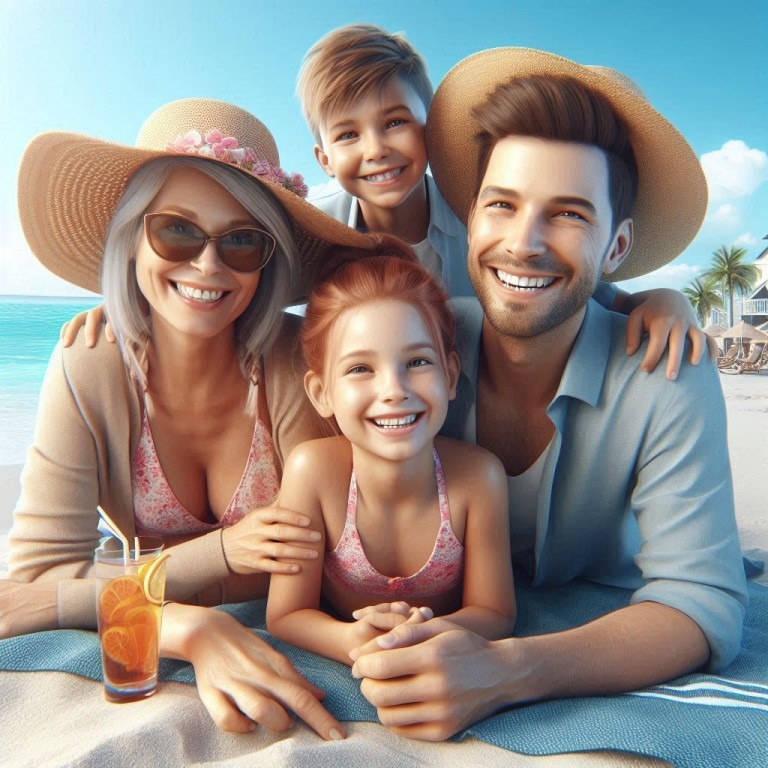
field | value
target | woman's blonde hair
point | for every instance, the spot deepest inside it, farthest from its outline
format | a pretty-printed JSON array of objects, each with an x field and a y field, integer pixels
[{"x": 126, "y": 307}]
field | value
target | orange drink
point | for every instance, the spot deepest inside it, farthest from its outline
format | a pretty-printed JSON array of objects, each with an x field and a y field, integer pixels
[{"x": 130, "y": 605}]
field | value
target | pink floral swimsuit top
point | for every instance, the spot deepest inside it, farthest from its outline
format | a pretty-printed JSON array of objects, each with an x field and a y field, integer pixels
[
  {"x": 348, "y": 566},
  {"x": 158, "y": 511}
]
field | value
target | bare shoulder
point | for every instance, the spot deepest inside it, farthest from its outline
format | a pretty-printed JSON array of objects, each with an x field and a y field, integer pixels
[
  {"x": 461, "y": 458},
  {"x": 320, "y": 458},
  {"x": 316, "y": 481},
  {"x": 476, "y": 483}
]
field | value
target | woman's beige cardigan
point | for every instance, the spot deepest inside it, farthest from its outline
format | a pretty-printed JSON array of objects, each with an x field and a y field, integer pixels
[{"x": 88, "y": 425}]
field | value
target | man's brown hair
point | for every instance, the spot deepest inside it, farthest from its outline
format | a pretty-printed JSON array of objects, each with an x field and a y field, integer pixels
[{"x": 560, "y": 109}]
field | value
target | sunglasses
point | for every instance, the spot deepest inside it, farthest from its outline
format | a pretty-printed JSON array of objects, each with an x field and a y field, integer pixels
[{"x": 174, "y": 238}]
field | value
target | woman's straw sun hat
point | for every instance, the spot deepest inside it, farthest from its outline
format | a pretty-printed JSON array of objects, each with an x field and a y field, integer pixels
[
  {"x": 672, "y": 191},
  {"x": 70, "y": 184}
]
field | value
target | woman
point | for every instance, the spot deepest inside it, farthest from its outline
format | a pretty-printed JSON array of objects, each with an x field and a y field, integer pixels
[{"x": 180, "y": 429}]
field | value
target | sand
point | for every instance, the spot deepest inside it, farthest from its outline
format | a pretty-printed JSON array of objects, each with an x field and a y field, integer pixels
[{"x": 746, "y": 397}]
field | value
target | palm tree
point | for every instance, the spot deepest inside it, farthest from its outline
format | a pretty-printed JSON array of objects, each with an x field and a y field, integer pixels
[
  {"x": 729, "y": 270},
  {"x": 704, "y": 297}
]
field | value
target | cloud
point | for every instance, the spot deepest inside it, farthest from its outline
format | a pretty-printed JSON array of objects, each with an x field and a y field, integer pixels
[
  {"x": 669, "y": 276},
  {"x": 745, "y": 240},
  {"x": 734, "y": 170},
  {"x": 725, "y": 215},
  {"x": 21, "y": 273}
]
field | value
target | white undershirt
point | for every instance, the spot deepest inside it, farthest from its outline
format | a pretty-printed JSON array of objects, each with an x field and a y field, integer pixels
[
  {"x": 523, "y": 503},
  {"x": 430, "y": 259}
]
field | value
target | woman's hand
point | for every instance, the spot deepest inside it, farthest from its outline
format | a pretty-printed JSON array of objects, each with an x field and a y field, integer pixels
[
  {"x": 92, "y": 320},
  {"x": 241, "y": 680},
  {"x": 27, "y": 607},
  {"x": 265, "y": 538}
]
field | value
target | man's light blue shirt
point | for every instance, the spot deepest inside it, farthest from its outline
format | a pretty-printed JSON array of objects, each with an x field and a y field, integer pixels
[{"x": 637, "y": 489}]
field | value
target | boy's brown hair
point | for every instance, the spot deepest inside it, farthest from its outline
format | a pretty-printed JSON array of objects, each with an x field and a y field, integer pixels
[{"x": 350, "y": 62}]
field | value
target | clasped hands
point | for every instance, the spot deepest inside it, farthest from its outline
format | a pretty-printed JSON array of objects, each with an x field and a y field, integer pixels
[{"x": 428, "y": 678}]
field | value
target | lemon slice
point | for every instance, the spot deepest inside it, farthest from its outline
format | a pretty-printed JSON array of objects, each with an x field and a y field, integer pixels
[{"x": 152, "y": 578}]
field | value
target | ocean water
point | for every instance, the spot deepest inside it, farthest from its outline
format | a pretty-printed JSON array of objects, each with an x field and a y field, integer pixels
[{"x": 29, "y": 330}]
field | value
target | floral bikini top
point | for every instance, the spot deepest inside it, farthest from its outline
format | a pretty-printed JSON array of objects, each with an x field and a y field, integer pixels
[
  {"x": 348, "y": 566},
  {"x": 158, "y": 511}
]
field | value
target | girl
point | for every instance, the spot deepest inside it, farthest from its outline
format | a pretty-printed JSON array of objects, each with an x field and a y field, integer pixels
[{"x": 407, "y": 518}]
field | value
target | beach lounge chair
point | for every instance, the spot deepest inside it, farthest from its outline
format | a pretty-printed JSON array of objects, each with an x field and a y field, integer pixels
[
  {"x": 723, "y": 361},
  {"x": 757, "y": 359}
]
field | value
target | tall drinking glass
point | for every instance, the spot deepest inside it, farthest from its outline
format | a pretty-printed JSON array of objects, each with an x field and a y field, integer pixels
[{"x": 130, "y": 604}]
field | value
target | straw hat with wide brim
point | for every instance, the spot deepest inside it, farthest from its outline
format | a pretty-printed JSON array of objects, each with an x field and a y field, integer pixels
[
  {"x": 69, "y": 187},
  {"x": 672, "y": 191}
]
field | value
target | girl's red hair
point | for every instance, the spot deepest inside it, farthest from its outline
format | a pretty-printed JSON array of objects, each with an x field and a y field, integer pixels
[{"x": 375, "y": 278}]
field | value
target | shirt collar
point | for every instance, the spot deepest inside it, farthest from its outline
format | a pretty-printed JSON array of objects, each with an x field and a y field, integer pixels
[
  {"x": 587, "y": 364},
  {"x": 585, "y": 370},
  {"x": 440, "y": 215}
]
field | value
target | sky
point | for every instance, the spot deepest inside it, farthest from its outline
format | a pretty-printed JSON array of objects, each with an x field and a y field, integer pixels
[{"x": 101, "y": 68}]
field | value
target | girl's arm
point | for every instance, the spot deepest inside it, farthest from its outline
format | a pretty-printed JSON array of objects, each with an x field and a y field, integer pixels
[
  {"x": 488, "y": 603},
  {"x": 293, "y": 608}
]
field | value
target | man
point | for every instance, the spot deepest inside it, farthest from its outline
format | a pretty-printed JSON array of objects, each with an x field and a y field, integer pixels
[{"x": 615, "y": 475}]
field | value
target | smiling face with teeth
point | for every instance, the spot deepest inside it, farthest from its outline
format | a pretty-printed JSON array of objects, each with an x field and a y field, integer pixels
[
  {"x": 541, "y": 234},
  {"x": 384, "y": 380},
  {"x": 202, "y": 297},
  {"x": 375, "y": 148}
]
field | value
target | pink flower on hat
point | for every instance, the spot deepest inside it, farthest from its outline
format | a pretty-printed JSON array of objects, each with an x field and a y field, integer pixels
[
  {"x": 227, "y": 150},
  {"x": 298, "y": 185},
  {"x": 188, "y": 143}
]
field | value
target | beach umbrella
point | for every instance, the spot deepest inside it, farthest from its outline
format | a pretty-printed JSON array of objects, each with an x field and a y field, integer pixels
[
  {"x": 714, "y": 331},
  {"x": 743, "y": 331}
]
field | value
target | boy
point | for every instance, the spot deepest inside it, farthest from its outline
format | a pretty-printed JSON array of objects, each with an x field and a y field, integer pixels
[{"x": 365, "y": 94}]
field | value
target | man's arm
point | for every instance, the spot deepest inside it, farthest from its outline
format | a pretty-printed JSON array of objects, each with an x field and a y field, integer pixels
[{"x": 429, "y": 681}]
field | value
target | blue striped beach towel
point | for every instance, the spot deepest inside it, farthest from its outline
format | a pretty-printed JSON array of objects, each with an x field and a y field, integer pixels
[{"x": 696, "y": 721}]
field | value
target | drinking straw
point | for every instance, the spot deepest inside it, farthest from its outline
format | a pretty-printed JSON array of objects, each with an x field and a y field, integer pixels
[
  {"x": 117, "y": 533},
  {"x": 136, "y": 548}
]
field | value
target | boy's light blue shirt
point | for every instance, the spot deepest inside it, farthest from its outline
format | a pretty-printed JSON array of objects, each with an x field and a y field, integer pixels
[
  {"x": 446, "y": 234},
  {"x": 637, "y": 489}
]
